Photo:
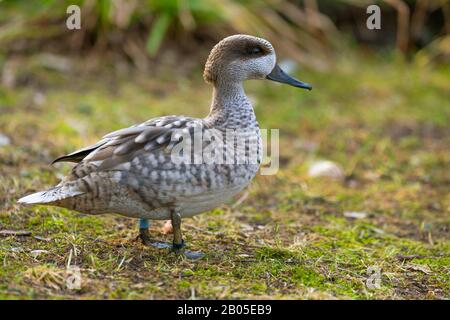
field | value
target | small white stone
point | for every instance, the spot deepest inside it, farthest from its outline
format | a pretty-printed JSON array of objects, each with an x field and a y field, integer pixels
[
  {"x": 326, "y": 169},
  {"x": 355, "y": 214},
  {"x": 4, "y": 140}
]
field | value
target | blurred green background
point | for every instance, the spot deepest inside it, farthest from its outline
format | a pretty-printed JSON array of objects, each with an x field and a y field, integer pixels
[
  {"x": 311, "y": 31},
  {"x": 379, "y": 111}
]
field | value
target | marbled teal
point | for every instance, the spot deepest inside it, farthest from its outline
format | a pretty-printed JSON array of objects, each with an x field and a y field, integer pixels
[{"x": 132, "y": 171}]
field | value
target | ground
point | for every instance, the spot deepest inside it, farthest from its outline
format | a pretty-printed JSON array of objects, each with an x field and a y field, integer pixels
[{"x": 384, "y": 121}]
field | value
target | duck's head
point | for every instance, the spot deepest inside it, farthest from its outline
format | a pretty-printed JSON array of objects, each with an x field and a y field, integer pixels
[{"x": 243, "y": 57}]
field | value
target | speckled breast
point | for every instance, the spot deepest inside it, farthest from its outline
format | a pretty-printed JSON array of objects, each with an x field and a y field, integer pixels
[{"x": 163, "y": 184}]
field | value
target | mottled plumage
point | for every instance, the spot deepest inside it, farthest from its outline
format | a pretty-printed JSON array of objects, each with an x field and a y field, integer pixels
[{"x": 131, "y": 171}]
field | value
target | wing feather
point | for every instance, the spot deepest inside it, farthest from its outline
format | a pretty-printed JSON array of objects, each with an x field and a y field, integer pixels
[
  {"x": 123, "y": 145},
  {"x": 79, "y": 155}
]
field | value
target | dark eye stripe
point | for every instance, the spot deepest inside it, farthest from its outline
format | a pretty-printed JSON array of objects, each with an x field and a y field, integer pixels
[{"x": 254, "y": 50}]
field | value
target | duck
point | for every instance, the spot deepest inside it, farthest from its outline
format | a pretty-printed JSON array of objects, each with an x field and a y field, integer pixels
[{"x": 133, "y": 171}]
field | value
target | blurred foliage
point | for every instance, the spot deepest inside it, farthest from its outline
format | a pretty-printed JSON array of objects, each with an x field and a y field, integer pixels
[{"x": 310, "y": 31}]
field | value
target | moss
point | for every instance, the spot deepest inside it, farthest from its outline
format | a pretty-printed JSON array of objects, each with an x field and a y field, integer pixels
[{"x": 289, "y": 237}]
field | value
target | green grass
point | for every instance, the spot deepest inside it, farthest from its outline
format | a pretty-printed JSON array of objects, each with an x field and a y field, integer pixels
[{"x": 385, "y": 122}]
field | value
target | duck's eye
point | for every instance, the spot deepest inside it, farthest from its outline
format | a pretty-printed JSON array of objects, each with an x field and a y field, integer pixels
[{"x": 255, "y": 50}]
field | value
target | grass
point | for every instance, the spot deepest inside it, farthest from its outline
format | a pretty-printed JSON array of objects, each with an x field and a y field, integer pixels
[{"x": 384, "y": 121}]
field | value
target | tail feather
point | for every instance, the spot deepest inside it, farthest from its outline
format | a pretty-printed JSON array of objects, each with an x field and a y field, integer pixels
[{"x": 51, "y": 195}]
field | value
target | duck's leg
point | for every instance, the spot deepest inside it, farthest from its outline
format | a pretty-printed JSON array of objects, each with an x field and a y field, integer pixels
[
  {"x": 178, "y": 242},
  {"x": 144, "y": 234}
]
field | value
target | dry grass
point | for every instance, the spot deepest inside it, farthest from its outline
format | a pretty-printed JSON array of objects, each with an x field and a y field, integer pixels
[{"x": 385, "y": 123}]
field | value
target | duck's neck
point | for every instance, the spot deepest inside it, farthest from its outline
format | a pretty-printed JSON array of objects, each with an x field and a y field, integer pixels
[{"x": 230, "y": 107}]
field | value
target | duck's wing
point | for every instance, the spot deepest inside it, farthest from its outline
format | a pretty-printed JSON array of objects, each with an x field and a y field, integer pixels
[
  {"x": 80, "y": 154},
  {"x": 123, "y": 145}
]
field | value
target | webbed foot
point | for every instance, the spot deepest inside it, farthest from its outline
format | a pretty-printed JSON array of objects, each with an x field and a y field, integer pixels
[
  {"x": 179, "y": 248},
  {"x": 193, "y": 255}
]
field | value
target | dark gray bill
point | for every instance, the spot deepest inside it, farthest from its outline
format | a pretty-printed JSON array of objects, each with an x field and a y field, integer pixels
[{"x": 279, "y": 75}]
